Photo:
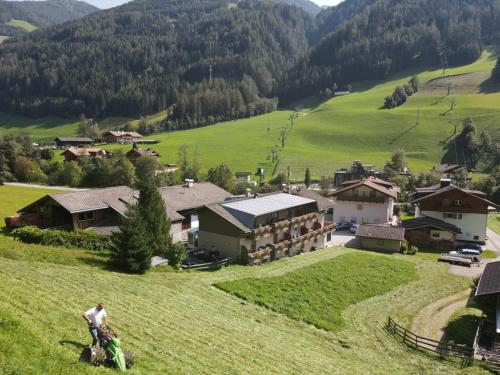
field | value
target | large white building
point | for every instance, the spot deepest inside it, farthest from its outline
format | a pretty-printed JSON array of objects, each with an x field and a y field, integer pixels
[
  {"x": 367, "y": 201},
  {"x": 466, "y": 209}
]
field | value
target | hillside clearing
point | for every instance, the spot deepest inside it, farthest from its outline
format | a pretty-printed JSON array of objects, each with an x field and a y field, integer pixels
[{"x": 22, "y": 25}]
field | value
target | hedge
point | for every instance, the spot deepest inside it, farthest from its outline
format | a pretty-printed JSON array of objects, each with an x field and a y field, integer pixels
[{"x": 81, "y": 239}]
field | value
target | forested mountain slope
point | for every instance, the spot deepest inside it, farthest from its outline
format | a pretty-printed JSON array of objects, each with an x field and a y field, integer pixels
[
  {"x": 216, "y": 60},
  {"x": 388, "y": 36},
  {"x": 40, "y": 13},
  {"x": 149, "y": 54}
]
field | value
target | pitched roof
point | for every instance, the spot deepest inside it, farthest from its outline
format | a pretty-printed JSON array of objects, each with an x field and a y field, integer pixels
[
  {"x": 445, "y": 168},
  {"x": 121, "y": 133},
  {"x": 425, "y": 222},
  {"x": 144, "y": 151},
  {"x": 93, "y": 199},
  {"x": 440, "y": 190},
  {"x": 265, "y": 204},
  {"x": 323, "y": 202},
  {"x": 75, "y": 139},
  {"x": 222, "y": 212},
  {"x": 381, "y": 232},
  {"x": 391, "y": 192},
  {"x": 84, "y": 151},
  {"x": 490, "y": 280},
  {"x": 182, "y": 198}
]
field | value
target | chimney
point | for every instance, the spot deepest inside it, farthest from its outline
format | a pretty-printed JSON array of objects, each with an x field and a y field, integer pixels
[
  {"x": 445, "y": 182},
  {"x": 248, "y": 192},
  {"x": 188, "y": 183}
]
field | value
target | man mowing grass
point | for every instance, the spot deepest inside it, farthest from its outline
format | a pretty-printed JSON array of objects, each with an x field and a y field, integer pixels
[{"x": 94, "y": 318}]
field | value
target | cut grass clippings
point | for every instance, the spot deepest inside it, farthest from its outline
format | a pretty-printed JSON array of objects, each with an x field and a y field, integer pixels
[{"x": 319, "y": 293}]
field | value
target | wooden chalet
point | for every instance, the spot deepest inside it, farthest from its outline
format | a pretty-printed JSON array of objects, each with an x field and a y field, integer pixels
[
  {"x": 430, "y": 233},
  {"x": 122, "y": 137},
  {"x": 63, "y": 142},
  {"x": 75, "y": 153}
]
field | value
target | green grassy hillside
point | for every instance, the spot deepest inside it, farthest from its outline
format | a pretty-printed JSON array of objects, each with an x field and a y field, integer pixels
[
  {"x": 48, "y": 128},
  {"x": 179, "y": 323},
  {"x": 343, "y": 129},
  {"x": 334, "y": 133}
]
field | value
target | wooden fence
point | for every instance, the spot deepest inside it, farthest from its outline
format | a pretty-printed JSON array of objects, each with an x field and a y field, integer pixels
[
  {"x": 462, "y": 353},
  {"x": 207, "y": 266}
]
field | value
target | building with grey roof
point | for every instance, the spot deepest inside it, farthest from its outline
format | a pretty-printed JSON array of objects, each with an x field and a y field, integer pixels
[
  {"x": 100, "y": 209},
  {"x": 264, "y": 228}
]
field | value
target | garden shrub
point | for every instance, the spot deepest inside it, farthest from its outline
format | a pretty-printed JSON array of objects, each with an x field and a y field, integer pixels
[{"x": 81, "y": 239}]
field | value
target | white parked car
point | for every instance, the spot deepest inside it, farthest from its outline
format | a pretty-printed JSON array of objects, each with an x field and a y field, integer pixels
[{"x": 354, "y": 228}]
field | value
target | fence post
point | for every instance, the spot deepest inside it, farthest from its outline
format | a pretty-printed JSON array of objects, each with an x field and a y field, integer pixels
[{"x": 416, "y": 342}]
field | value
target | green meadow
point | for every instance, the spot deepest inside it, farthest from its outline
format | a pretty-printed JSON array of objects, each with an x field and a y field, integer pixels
[
  {"x": 330, "y": 134},
  {"x": 20, "y": 24}
]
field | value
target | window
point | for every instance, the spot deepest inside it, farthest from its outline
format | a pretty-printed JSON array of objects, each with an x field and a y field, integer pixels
[
  {"x": 446, "y": 203},
  {"x": 83, "y": 216},
  {"x": 448, "y": 215},
  {"x": 458, "y": 203},
  {"x": 359, "y": 207},
  {"x": 353, "y": 220},
  {"x": 476, "y": 238},
  {"x": 328, "y": 236},
  {"x": 436, "y": 235}
]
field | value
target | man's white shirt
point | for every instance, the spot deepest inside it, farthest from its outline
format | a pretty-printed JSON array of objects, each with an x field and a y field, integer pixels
[{"x": 95, "y": 316}]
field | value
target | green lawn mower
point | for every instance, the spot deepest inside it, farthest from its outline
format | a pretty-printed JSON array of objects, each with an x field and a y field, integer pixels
[{"x": 108, "y": 352}]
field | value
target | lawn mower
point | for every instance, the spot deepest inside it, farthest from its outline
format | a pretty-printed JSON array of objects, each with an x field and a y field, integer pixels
[{"x": 108, "y": 352}]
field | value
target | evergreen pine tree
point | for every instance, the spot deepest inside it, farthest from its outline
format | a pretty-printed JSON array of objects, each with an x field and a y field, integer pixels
[
  {"x": 307, "y": 178},
  {"x": 130, "y": 250},
  {"x": 154, "y": 216}
]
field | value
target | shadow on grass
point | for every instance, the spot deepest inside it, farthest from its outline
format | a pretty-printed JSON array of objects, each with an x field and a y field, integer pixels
[
  {"x": 462, "y": 331},
  {"x": 489, "y": 86},
  {"x": 75, "y": 344}
]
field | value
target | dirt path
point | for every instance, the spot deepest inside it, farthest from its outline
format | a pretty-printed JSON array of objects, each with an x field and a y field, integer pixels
[{"x": 432, "y": 319}]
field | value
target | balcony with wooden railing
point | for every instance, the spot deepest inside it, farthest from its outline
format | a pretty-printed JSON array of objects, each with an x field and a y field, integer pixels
[
  {"x": 283, "y": 225},
  {"x": 360, "y": 198}
]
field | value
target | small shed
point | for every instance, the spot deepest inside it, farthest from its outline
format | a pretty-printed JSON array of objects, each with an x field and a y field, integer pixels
[
  {"x": 431, "y": 233},
  {"x": 381, "y": 237}
]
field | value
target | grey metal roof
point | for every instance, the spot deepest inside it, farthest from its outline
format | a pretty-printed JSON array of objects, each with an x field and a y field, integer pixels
[
  {"x": 425, "y": 221},
  {"x": 95, "y": 199},
  {"x": 381, "y": 232},
  {"x": 267, "y": 204},
  {"x": 182, "y": 198},
  {"x": 490, "y": 280}
]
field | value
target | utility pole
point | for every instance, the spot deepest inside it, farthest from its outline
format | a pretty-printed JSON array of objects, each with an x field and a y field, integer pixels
[
  {"x": 288, "y": 173},
  {"x": 418, "y": 117},
  {"x": 210, "y": 73}
]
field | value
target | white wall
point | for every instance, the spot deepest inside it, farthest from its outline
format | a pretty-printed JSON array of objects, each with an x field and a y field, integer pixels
[
  {"x": 376, "y": 213},
  {"x": 176, "y": 232},
  {"x": 470, "y": 224}
]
